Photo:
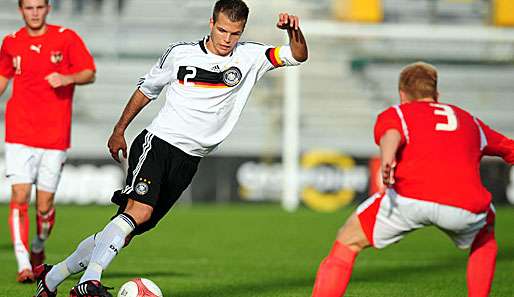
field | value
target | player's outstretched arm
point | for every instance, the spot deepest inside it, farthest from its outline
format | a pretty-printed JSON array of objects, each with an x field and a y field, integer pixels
[
  {"x": 117, "y": 140},
  {"x": 498, "y": 144},
  {"x": 389, "y": 143},
  {"x": 3, "y": 84},
  {"x": 83, "y": 77},
  {"x": 297, "y": 42}
]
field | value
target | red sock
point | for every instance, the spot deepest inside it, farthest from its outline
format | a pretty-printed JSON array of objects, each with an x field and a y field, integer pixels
[
  {"x": 482, "y": 262},
  {"x": 45, "y": 223},
  {"x": 19, "y": 222},
  {"x": 334, "y": 272}
]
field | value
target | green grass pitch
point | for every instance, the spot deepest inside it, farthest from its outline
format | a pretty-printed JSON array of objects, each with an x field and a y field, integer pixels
[{"x": 260, "y": 250}]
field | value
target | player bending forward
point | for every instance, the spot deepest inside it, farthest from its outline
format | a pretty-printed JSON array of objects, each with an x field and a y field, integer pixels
[
  {"x": 430, "y": 157},
  {"x": 209, "y": 82}
]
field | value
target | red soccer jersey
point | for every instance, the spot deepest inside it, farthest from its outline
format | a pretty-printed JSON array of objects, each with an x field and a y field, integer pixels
[
  {"x": 439, "y": 156},
  {"x": 38, "y": 115}
]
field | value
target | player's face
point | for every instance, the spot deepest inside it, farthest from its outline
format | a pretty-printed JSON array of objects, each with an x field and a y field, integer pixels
[
  {"x": 224, "y": 35},
  {"x": 34, "y": 13}
]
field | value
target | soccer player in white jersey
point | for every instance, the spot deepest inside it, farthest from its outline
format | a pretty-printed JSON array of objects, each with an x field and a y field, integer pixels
[{"x": 209, "y": 82}]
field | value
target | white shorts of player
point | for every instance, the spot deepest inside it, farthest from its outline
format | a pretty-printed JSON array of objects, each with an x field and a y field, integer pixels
[
  {"x": 31, "y": 165},
  {"x": 387, "y": 218}
]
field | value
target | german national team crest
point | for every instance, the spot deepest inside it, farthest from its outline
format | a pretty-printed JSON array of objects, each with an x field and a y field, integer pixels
[
  {"x": 56, "y": 57},
  {"x": 232, "y": 76},
  {"x": 141, "y": 188}
]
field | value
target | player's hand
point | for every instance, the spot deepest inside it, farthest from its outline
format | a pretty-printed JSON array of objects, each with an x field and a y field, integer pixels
[
  {"x": 388, "y": 173},
  {"x": 288, "y": 22},
  {"x": 57, "y": 80},
  {"x": 115, "y": 144}
]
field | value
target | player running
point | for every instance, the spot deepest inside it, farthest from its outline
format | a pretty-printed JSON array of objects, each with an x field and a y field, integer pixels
[
  {"x": 46, "y": 62},
  {"x": 209, "y": 83},
  {"x": 430, "y": 157}
]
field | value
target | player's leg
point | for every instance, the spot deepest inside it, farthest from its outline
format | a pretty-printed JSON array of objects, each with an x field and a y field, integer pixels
[
  {"x": 336, "y": 269},
  {"x": 379, "y": 221},
  {"x": 147, "y": 163},
  {"x": 49, "y": 277},
  {"x": 482, "y": 260},
  {"x": 19, "y": 226},
  {"x": 45, "y": 220},
  {"x": 475, "y": 231},
  {"x": 112, "y": 238},
  {"x": 21, "y": 167},
  {"x": 180, "y": 173},
  {"x": 48, "y": 176}
]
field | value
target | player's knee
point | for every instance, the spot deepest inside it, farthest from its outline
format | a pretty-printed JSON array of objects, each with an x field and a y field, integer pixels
[
  {"x": 351, "y": 235},
  {"x": 485, "y": 240},
  {"x": 140, "y": 212},
  {"x": 45, "y": 204},
  {"x": 20, "y": 194}
]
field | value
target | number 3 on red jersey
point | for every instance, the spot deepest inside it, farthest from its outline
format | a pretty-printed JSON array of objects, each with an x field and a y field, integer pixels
[{"x": 447, "y": 111}]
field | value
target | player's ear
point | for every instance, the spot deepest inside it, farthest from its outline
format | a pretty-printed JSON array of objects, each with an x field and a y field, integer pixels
[
  {"x": 403, "y": 97},
  {"x": 436, "y": 97},
  {"x": 211, "y": 23}
]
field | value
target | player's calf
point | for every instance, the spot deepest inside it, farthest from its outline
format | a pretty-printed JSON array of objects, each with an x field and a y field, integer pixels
[
  {"x": 19, "y": 227},
  {"x": 336, "y": 269},
  {"x": 482, "y": 260},
  {"x": 44, "y": 225},
  {"x": 107, "y": 246}
]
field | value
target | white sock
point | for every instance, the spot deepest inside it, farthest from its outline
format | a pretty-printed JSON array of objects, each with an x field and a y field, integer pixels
[
  {"x": 75, "y": 263},
  {"x": 56, "y": 276},
  {"x": 108, "y": 244},
  {"x": 22, "y": 257},
  {"x": 16, "y": 220}
]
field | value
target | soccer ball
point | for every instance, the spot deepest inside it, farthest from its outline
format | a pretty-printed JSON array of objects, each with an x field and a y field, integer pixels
[{"x": 139, "y": 287}]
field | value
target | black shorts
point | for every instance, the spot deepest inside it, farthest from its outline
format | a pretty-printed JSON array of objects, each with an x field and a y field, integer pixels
[{"x": 158, "y": 173}]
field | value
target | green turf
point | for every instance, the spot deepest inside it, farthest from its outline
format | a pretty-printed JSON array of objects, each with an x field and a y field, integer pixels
[{"x": 259, "y": 250}]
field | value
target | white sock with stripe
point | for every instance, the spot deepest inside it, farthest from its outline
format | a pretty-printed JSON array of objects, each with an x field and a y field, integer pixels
[
  {"x": 75, "y": 263},
  {"x": 108, "y": 245},
  {"x": 19, "y": 223}
]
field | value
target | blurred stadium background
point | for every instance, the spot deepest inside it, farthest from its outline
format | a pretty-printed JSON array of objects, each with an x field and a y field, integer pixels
[{"x": 356, "y": 51}]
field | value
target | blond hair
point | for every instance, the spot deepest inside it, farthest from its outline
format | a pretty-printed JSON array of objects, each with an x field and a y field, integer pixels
[{"x": 419, "y": 80}]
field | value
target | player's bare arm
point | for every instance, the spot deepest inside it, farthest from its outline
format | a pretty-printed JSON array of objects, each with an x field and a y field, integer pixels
[
  {"x": 3, "y": 84},
  {"x": 297, "y": 42},
  {"x": 389, "y": 144},
  {"x": 117, "y": 140},
  {"x": 84, "y": 77}
]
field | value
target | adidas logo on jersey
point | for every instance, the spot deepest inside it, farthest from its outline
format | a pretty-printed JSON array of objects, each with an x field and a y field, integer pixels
[{"x": 216, "y": 68}]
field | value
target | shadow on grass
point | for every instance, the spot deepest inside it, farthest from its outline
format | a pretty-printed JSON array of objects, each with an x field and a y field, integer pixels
[
  {"x": 148, "y": 274},
  {"x": 377, "y": 273},
  {"x": 255, "y": 288},
  {"x": 6, "y": 247},
  {"x": 415, "y": 269}
]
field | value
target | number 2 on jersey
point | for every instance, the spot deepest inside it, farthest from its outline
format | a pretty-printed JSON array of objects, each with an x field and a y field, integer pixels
[
  {"x": 191, "y": 73},
  {"x": 447, "y": 111}
]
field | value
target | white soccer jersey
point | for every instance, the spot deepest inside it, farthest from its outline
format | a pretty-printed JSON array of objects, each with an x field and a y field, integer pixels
[{"x": 206, "y": 92}]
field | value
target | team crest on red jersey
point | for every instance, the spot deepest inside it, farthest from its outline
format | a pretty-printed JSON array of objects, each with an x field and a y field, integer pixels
[{"x": 56, "y": 57}]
